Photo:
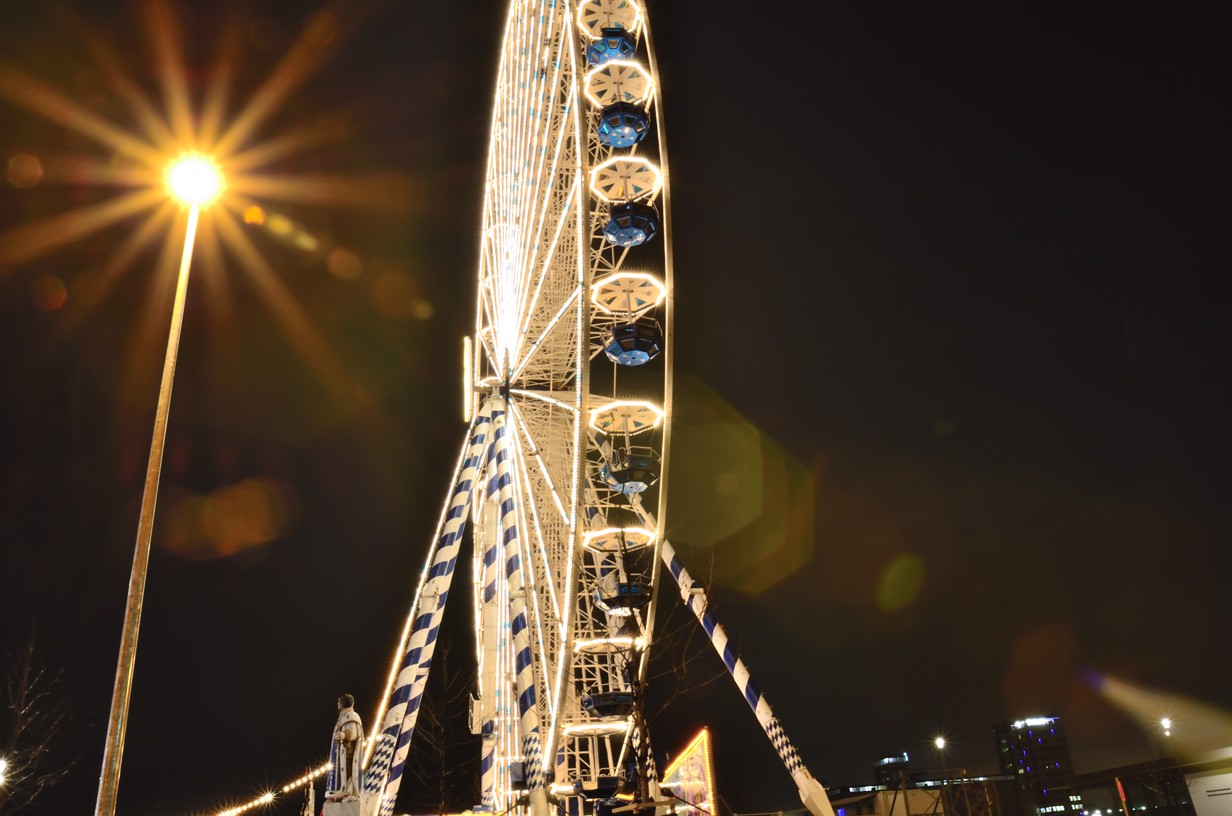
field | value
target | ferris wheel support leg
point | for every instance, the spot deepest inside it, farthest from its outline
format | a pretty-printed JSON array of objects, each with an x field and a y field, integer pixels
[
  {"x": 637, "y": 737},
  {"x": 489, "y": 668},
  {"x": 399, "y": 723},
  {"x": 528, "y": 705},
  {"x": 812, "y": 794}
]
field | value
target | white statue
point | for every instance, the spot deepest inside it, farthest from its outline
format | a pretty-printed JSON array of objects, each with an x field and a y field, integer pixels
[{"x": 348, "y": 752}]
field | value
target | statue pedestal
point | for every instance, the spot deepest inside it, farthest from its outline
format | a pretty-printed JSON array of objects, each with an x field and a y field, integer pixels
[{"x": 352, "y": 807}]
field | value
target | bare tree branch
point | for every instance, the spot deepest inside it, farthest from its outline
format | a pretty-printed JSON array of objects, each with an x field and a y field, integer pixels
[
  {"x": 680, "y": 642},
  {"x": 35, "y": 714},
  {"x": 434, "y": 764}
]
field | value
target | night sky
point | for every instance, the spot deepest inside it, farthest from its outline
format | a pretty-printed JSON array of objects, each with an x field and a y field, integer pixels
[{"x": 952, "y": 390}]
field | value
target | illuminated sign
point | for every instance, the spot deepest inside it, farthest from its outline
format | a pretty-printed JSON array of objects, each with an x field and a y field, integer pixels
[{"x": 690, "y": 778}]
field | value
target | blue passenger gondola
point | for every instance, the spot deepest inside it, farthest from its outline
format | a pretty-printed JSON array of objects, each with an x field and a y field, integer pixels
[
  {"x": 613, "y": 43},
  {"x": 625, "y": 600},
  {"x": 631, "y": 223},
  {"x": 608, "y": 703},
  {"x": 634, "y": 344},
  {"x": 623, "y": 124},
  {"x": 631, "y": 469}
]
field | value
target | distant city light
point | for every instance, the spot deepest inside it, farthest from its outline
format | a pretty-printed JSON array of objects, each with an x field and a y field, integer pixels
[
  {"x": 893, "y": 760},
  {"x": 1033, "y": 722}
]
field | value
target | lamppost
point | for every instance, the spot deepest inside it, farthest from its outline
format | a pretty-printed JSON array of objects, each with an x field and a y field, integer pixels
[
  {"x": 1164, "y": 738},
  {"x": 940, "y": 744},
  {"x": 196, "y": 182}
]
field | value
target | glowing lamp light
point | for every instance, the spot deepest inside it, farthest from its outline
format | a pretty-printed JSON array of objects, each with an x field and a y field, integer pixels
[
  {"x": 617, "y": 539},
  {"x": 593, "y": 728},
  {"x": 626, "y": 417},
  {"x": 194, "y": 180},
  {"x": 609, "y": 645},
  {"x": 939, "y": 743},
  {"x": 628, "y": 293}
]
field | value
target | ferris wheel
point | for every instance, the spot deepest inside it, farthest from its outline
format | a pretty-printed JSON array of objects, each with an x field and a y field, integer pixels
[
  {"x": 568, "y": 392},
  {"x": 570, "y": 281},
  {"x": 571, "y": 287},
  {"x": 562, "y": 469}
]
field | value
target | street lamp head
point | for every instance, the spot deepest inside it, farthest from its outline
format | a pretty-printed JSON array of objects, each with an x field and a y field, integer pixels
[
  {"x": 194, "y": 180},
  {"x": 939, "y": 743},
  {"x": 1166, "y": 724}
]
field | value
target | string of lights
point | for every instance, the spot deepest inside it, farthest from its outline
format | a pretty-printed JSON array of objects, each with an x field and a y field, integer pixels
[{"x": 270, "y": 796}]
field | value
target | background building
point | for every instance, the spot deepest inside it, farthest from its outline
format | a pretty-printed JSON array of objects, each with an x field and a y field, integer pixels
[
  {"x": 1157, "y": 788},
  {"x": 1035, "y": 752},
  {"x": 889, "y": 770}
]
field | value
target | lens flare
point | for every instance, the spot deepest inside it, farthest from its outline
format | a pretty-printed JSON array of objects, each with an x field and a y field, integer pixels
[
  {"x": 901, "y": 582},
  {"x": 1206, "y": 731}
]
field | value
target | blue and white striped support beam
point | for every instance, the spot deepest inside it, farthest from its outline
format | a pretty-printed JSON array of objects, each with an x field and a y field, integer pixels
[
  {"x": 487, "y": 774},
  {"x": 378, "y": 765},
  {"x": 652, "y": 773},
  {"x": 812, "y": 794},
  {"x": 524, "y": 666},
  {"x": 492, "y": 678},
  {"x": 404, "y": 702}
]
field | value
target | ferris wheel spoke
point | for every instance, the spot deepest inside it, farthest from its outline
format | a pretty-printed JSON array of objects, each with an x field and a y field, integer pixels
[
  {"x": 544, "y": 327},
  {"x": 488, "y": 306},
  {"x": 532, "y": 122},
  {"x": 534, "y": 302},
  {"x": 557, "y": 531},
  {"x": 550, "y": 397},
  {"x": 542, "y": 193},
  {"x": 558, "y": 500},
  {"x": 543, "y": 617},
  {"x": 540, "y": 344},
  {"x": 530, "y": 304},
  {"x": 551, "y": 565},
  {"x": 521, "y": 110},
  {"x": 543, "y": 567},
  {"x": 550, "y": 211},
  {"x": 488, "y": 344},
  {"x": 542, "y": 559}
]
